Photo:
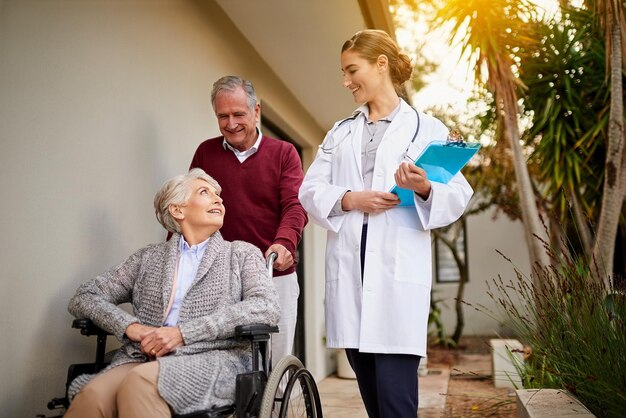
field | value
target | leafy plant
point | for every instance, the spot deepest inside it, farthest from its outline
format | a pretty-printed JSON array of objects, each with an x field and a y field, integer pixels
[
  {"x": 434, "y": 318},
  {"x": 576, "y": 329},
  {"x": 565, "y": 76}
]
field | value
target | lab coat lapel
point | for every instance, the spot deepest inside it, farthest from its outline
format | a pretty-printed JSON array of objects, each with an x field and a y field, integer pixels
[
  {"x": 356, "y": 135},
  {"x": 402, "y": 128},
  {"x": 396, "y": 139}
]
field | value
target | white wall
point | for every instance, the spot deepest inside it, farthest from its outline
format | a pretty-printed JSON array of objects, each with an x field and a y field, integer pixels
[
  {"x": 485, "y": 235},
  {"x": 101, "y": 101}
]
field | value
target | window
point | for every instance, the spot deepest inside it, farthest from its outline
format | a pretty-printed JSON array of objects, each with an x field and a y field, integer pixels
[{"x": 446, "y": 267}]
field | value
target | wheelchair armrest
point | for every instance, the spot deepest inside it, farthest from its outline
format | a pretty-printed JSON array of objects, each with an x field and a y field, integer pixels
[
  {"x": 87, "y": 327},
  {"x": 254, "y": 332}
]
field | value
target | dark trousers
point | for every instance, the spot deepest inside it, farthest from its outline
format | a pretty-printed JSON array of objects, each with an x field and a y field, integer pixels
[{"x": 387, "y": 382}]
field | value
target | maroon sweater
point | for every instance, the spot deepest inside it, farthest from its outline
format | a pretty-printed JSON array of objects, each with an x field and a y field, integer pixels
[{"x": 260, "y": 195}]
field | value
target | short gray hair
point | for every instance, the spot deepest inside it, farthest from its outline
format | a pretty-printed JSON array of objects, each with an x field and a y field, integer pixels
[
  {"x": 176, "y": 191},
  {"x": 231, "y": 83}
]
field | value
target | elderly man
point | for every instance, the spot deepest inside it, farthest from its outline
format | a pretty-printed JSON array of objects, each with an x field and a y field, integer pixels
[
  {"x": 261, "y": 177},
  {"x": 187, "y": 295}
]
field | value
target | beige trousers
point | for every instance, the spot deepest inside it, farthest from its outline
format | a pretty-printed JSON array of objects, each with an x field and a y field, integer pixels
[
  {"x": 126, "y": 391},
  {"x": 288, "y": 292}
]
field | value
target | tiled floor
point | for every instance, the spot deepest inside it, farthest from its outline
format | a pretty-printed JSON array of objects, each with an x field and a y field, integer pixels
[{"x": 341, "y": 399}]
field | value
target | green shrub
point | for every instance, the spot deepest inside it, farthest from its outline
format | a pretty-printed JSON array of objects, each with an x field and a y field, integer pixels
[
  {"x": 576, "y": 330},
  {"x": 440, "y": 337}
]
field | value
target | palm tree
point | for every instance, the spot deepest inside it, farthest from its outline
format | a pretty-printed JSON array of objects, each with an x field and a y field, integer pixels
[
  {"x": 610, "y": 14},
  {"x": 565, "y": 76},
  {"x": 486, "y": 28}
]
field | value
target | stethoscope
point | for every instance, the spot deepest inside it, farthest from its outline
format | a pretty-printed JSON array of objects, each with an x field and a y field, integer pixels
[{"x": 405, "y": 154}]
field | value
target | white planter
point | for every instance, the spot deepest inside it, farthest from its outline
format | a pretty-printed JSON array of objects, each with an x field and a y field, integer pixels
[
  {"x": 506, "y": 354},
  {"x": 343, "y": 366},
  {"x": 422, "y": 370}
]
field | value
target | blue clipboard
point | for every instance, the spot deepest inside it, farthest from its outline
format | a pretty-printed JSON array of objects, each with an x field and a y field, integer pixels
[{"x": 441, "y": 160}]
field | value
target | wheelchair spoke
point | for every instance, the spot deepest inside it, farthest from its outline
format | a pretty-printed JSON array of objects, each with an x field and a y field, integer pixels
[
  {"x": 301, "y": 397},
  {"x": 291, "y": 392}
]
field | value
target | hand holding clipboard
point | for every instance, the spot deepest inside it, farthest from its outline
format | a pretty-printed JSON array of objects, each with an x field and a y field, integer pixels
[{"x": 441, "y": 160}]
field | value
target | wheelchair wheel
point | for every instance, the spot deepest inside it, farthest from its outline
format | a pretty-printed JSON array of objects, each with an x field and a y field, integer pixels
[{"x": 290, "y": 392}]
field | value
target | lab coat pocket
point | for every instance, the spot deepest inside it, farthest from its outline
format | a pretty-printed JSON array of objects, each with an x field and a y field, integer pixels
[
  {"x": 333, "y": 266},
  {"x": 412, "y": 257}
]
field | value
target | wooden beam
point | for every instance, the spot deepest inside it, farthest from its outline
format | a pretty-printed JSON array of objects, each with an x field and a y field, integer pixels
[{"x": 377, "y": 16}]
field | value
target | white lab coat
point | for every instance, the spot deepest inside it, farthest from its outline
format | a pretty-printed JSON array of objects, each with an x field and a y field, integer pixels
[{"x": 388, "y": 313}]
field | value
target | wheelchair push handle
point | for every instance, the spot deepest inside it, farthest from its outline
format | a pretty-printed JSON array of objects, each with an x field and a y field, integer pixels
[{"x": 270, "y": 262}]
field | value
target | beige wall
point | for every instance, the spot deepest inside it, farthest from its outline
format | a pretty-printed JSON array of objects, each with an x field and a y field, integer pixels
[
  {"x": 485, "y": 235},
  {"x": 100, "y": 102}
]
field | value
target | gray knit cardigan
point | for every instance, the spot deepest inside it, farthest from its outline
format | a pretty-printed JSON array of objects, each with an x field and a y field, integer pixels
[{"x": 232, "y": 287}]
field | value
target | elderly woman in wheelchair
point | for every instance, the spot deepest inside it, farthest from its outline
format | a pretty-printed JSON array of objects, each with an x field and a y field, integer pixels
[{"x": 188, "y": 294}]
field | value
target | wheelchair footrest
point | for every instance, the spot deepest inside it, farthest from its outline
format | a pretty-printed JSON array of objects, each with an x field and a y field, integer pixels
[
  {"x": 249, "y": 388},
  {"x": 224, "y": 411},
  {"x": 57, "y": 403}
]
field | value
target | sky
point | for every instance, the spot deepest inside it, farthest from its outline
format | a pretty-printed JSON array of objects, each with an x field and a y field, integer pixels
[{"x": 452, "y": 83}]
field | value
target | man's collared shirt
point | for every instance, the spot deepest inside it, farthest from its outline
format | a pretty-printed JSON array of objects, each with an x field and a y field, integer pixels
[
  {"x": 189, "y": 258},
  {"x": 243, "y": 155}
]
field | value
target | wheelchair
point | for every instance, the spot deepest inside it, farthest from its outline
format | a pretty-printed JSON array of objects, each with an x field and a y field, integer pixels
[{"x": 288, "y": 390}]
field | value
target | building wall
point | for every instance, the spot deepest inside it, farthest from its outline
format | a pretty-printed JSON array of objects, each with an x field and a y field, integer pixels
[
  {"x": 485, "y": 235},
  {"x": 101, "y": 102}
]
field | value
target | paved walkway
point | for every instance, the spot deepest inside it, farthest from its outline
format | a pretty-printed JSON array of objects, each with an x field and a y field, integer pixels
[{"x": 341, "y": 398}]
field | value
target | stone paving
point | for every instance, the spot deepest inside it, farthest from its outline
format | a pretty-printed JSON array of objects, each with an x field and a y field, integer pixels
[{"x": 341, "y": 398}]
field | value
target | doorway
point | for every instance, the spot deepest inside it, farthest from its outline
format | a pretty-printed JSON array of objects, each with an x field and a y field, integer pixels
[{"x": 269, "y": 128}]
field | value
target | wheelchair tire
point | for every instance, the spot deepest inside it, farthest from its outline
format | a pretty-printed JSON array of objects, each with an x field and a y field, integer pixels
[{"x": 299, "y": 397}]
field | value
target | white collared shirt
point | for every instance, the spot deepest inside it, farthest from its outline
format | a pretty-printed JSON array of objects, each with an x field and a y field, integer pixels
[
  {"x": 188, "y": 262},
  {"x": 243, "y": 155}
]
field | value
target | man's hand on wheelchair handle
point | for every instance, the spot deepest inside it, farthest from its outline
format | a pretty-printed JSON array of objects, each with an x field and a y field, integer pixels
[{"x": 284, "y": 259}]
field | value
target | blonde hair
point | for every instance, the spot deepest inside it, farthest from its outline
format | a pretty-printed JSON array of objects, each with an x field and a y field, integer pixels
[
  {"x": 176, "y": 191},
  {"x": 372, "y": 43}
]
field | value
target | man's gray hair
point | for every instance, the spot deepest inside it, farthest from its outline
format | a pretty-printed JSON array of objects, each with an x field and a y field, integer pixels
[
  {"x": 176, "y": 191},
  {"x": 231, "y": 83}
]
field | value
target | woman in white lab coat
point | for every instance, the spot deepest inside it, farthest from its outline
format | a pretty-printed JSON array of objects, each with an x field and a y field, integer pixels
[{"x": 378, "y": 255}]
